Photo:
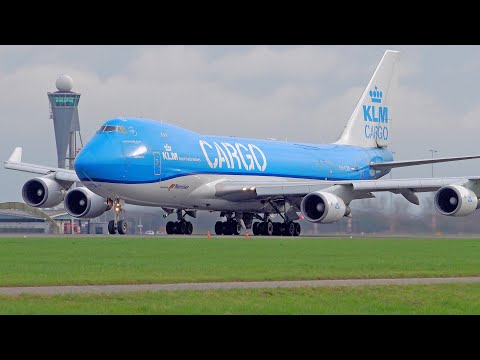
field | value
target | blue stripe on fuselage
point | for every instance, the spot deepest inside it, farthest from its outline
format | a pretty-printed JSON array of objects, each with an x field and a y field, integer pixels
[{"x": 129, "y": 158}]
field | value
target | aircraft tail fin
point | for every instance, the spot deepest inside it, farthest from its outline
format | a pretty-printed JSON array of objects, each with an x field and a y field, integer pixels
[{"x": 369, "y": 125}]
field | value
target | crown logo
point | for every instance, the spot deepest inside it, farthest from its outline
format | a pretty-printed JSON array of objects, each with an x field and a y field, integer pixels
[
  {"x": 376, "y": 95},
  {"x": 168, "y": 147}
]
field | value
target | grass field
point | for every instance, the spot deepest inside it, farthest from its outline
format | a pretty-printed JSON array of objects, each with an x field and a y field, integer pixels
[
  {"x": 122, "y": 260},
  {"x": 391, "y": 299}
]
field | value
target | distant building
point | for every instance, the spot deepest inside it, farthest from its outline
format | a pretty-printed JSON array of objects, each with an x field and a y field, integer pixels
[
  {"x": 22, "y": 218},
  {"x": 18, "y": 217}
]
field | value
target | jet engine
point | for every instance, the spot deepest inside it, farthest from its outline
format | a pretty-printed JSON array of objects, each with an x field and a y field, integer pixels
[
  {"x": 42, "y": 192},
  {"x": 455, "y": 200},
  {"x": 82, "y": 203},
  {"x": 323, "y": 207}
]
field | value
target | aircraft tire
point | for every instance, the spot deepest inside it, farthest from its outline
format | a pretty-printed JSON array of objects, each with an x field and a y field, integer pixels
[
  {"x": 122, "y": 227},
  {"x": 181, "y": 228},
  {"x": 269, "y": 228},
  {"x": 189, "y": 228},
  {"x": 227, "y": 228},
  {"x": 290, "y": 228},
  {"x": 170, "y": 228},
  {"x": 219, "y": 228},
  {"x": 236, "y": 227},
  {"x": 277, "y": 229},
  {"x": 255, "y": 229},
  {"x": 298, "y": 229},
  {"x": 111, "y": 227},
  {"x": 261, "y": 228}
]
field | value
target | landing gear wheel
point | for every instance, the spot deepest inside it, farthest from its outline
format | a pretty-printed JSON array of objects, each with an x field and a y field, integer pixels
[
  {"x": 277, "y": 229},
  {"x": 255, "y": 229},
  {"x": 170, "y": 228},
  {"x": 111, "y": 227},
  {"x": 298, "y": 229},
  {"x": 219, "y": 228},
  {"x": 181, "y": 227},
  {"x": 236, "y": 228},
  {"x": 268, "y": 228},
  {"x": 227, "y": 228},
  {"x": 290, "y": 229},
  {"x": 189, "y": 228},
  {"x": 122, "y": 227},
  {"x": 262, "y": 228}
]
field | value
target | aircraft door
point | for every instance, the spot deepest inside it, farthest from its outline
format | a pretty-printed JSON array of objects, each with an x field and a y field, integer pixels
[{"x": 157, "y": 164}]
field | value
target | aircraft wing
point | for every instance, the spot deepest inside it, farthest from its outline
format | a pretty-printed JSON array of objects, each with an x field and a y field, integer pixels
[
  {"x": 397, "y": 164},
  {"x": 349, "y": 190},
  {"x": 14, "y": 162}
]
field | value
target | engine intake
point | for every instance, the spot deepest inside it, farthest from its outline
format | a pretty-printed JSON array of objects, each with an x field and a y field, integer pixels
[
  {"x": 83, "y": 203},
  {"x": 455, "y": 200},
  {"x": 42, "y": 192},
  {"x": 323, "y": 207}
]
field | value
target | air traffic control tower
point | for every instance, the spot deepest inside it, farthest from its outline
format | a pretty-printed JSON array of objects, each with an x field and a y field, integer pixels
[{"x": 64, "y": 112}]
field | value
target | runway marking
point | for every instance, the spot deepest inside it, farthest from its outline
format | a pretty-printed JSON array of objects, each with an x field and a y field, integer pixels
[{"x": 77, "y": 289}]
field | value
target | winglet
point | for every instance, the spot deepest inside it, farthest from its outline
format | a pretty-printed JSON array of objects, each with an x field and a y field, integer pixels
[{"x": 16, "y": 155}]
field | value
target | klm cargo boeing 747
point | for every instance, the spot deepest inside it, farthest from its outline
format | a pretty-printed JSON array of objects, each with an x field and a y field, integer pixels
[{"x": 249, "y": 181}]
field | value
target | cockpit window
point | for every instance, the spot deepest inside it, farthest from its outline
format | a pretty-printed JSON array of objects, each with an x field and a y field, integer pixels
[{"x": 110, "y": 128}]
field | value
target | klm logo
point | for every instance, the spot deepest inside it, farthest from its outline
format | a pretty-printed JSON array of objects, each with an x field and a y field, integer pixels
[
  {"x": 376, "y": 114},
  {"x": 373, "y": 113},
  {"x": 168, "y": 154}
]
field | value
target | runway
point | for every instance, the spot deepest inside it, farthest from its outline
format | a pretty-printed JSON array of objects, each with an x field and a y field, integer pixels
[{"x": 106, "y": 289}]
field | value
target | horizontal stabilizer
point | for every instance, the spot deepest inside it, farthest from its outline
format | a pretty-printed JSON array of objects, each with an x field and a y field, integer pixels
[{"x": 397, "y": 164}]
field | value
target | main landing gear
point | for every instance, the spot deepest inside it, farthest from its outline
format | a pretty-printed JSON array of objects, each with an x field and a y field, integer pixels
[
  {"x": 117, "y": 225},
  {"x": 229, "y": 227},
  {"x": 233, "y": 225},
  {"x": 244, "y": 220},
  {"x": 181, "y": 226},
  {"x": 269, "y": 228}
]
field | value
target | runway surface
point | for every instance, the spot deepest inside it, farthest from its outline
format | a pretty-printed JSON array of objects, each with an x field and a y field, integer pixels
[
  {"x": 55, "y": 290},
  {"x": 252, "y": 237}
]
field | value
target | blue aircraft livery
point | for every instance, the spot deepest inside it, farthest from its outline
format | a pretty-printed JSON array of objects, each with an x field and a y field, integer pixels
[
  {"x": 376, "y": 114},
  {"x": 115, "y": 156},
  {"x": 152, "y": 163}
]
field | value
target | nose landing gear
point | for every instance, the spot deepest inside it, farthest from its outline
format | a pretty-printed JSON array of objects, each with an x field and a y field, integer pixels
[{"x": 117, "y": 225}]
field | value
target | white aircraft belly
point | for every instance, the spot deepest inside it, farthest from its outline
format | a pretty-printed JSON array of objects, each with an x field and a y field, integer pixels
[{"x": 183, "y": 192}]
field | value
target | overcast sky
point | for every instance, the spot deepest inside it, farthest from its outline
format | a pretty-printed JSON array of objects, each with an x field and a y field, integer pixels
[{"x": 303, "y": 93}]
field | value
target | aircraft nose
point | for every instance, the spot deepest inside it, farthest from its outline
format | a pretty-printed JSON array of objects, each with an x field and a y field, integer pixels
[
  {"x": 100, "y": 160},
  {"x": 84, "y": 163}
]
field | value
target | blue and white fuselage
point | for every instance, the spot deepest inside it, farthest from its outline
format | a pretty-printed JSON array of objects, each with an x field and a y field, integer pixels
[
  {"x": 152, "y": 163},
  {"x": 147, "y": 162}
]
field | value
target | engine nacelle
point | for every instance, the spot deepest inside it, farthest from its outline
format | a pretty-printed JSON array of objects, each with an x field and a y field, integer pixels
[
  {"x": 82, "y": 203},
  {"x": 42, "y": 192},
  {"x": 455, "y": 200},
  {"x": 323, "y": 207}
]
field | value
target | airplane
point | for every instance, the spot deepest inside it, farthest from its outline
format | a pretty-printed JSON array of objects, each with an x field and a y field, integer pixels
[{"x": 151, "y": 163}]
